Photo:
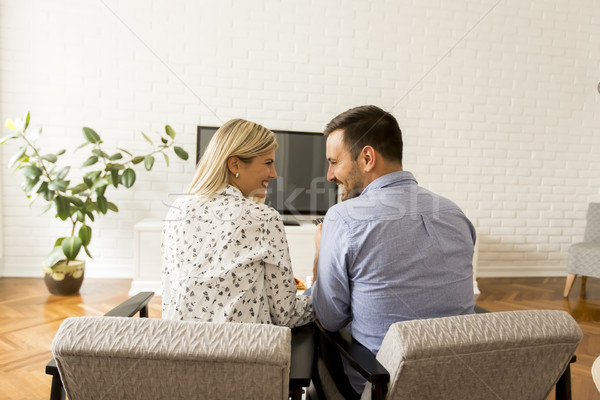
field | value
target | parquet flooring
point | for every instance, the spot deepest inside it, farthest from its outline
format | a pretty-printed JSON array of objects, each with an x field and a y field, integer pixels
[{"x": 29, "y": 318}]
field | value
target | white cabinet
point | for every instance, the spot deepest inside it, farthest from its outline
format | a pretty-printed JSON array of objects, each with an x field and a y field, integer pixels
[
  {"x": 302, "y": 248},
  {"x": 148, "y": 260}
]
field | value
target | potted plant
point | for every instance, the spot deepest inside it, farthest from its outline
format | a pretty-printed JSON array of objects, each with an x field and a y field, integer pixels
[{"x": 77, "y": 201}]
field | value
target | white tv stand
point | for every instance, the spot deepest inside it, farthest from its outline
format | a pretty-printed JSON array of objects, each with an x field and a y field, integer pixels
[{"x": 148, "y": 260}]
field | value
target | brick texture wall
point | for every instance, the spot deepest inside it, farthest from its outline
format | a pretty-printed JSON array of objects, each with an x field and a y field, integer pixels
[{"x": 497, "y": 100}]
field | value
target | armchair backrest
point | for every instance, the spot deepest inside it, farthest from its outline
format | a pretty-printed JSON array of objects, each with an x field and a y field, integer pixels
[
  {"x": 592, "y": 226},
  {"x": 129, "y": 358},
  {"x": 504, "y": 355}
]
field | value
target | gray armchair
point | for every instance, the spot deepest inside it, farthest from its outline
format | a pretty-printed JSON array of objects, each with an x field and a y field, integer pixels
[
  {"x": 507, "y": 355},
  {"x": 137, "y": 358},
  {"x": 584, "y": 257}
]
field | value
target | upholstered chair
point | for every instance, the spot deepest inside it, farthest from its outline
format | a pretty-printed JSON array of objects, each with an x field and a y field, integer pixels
[
  {"x": 504, "y": 355},
  {"x": 584, "y": 257}
]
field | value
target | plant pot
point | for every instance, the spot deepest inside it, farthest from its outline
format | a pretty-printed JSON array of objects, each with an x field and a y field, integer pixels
[{"x": 64, "y": 280}]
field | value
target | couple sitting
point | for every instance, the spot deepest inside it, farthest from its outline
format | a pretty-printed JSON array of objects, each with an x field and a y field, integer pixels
[{"x": 393, "y": 252}]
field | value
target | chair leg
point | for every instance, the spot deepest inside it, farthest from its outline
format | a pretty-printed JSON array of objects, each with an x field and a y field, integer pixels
[
  {"x": 583, "y": 282},
  {"x": 569, "y": 284},
  {"x": 563, "y": 386}
]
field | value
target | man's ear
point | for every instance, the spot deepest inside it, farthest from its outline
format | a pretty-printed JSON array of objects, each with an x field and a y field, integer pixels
[
  {"x": 233, "y": 164},
  {"x": 368, "y": 157}
]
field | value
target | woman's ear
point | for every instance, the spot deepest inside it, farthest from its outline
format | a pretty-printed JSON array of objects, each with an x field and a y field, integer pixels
[{"x": 233, "y": 164}]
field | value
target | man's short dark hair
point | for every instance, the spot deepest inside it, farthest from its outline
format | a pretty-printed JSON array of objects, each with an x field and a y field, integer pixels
[{"x": 369, "y": 126}]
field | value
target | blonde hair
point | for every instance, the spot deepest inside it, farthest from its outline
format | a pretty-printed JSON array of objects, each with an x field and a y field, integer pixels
[{"x": 236, "y": 138}]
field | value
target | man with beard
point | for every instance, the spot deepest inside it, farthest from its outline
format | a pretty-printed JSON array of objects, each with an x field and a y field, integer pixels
[{"x": 390, "y": 251}]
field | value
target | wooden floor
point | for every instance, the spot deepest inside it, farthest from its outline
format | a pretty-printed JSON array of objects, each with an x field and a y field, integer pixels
[{"x": 29, "y": 318}]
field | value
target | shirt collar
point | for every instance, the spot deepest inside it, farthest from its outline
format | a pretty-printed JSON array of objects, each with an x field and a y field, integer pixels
[
  {"x": 232, "y": 191},
  {"x": 392, "y": 179}
]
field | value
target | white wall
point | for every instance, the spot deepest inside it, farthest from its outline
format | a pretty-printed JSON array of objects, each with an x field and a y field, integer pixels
[{"x": 497, "y": 101}]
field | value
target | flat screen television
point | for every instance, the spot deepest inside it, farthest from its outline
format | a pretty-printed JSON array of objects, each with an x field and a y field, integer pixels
[{"x": 301, "y": 187}]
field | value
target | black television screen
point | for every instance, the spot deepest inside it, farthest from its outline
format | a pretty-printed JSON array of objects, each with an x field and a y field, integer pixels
[{"x": 301, "y": 187}]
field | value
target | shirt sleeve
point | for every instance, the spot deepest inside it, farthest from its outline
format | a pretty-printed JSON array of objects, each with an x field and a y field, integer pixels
[
  {"x": 331, "y": 291},
  {"x": 285, "y": 306}
]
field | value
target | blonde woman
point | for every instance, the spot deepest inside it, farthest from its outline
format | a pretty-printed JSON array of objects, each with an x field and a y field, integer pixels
[{"x": 225, "y": 256}]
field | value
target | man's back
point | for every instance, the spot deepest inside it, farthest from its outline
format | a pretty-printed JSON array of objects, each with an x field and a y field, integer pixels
[{"x": 397, "y": 252}]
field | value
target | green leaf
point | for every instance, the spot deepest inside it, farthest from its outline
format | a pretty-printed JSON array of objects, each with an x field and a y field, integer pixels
[
  {"x": 17, "y": 156},
  {"x": 62, "y": 207},
  {"x": 85, "y": 233},
  {"x": 88, "y": 182},
  {"x": 114, "y": 176},
  {"x": 113, "y": 207},
  {"x": 63, "y": 172},
  {"x": 163, "y": 140},
  {"x": 149, "y": 162},
  {"x": 48, "y": 195},
  {"x": 58, "y": 185},
  {"x": 90, "y": 215},
  {"x": 71, "y": 247},
  {"x": 43, "y": 187},
  {"x": 55, "y": 256},
  {"x": 93, "y": 175},
  {"x": 125, "y": 151},
  {"x": 82, "y": 145},
  {"x": 5, "y": 138},
  {"x": 181, "y": 153},
  {"x": 29, "y": 184},
  {"x": 90, "y": 135},
  {"x": 31, "y": 171},
  {"x": 46, "y": 208},
  {"x": 10, "y": 125},
  {"x": 77, "y": 202},
  {"x": 128, "y": 177},
  {"x": 90, "y": 161},
  {"x": 87, "y": 252},
  {"x": 27, "y": 119},
  {"x": 80, "y": 216},
  {"x": 50, "y": 158},
  {"x": 170, "y": 131},
  {"x": 138, "y": 159},
  {"x": 100, "y": 190},
  {"x": 82, "y": 187},
  {"x": 60, "y": 152},
  {"x": 102, "y": 204},
  {"x": 59, "y": 241},
  {"x": 147, "y": 138},
  {"x": 166, "y": 158},
  {"x": 116, "y": 156},
  {"x": 100, "y": 153}
]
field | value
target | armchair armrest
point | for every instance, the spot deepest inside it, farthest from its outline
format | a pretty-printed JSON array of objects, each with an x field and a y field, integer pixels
[
  {"x": 360, "y": 358},
  {"x": 130, "y": 307},
  {"x": 133, "y": 305}
]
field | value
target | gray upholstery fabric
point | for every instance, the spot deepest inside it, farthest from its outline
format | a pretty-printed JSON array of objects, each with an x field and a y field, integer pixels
[
  {"x": 507, "y": 355},
  {"x": 584, "y": 257},
  {"x": 137, "y": 358}
]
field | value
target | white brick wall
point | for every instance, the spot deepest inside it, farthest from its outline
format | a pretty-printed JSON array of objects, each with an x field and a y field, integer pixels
[{"x": 498, "y": 108}]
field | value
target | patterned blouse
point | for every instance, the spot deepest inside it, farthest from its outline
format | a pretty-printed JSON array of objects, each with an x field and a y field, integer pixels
[{"x": 226, "y": 259}]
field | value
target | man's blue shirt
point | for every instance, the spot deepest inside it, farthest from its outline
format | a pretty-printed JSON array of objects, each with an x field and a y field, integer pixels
[{"x": 397, "y": 252}]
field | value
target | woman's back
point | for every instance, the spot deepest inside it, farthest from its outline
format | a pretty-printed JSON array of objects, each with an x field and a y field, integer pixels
[{"x": 226, "y": 259}]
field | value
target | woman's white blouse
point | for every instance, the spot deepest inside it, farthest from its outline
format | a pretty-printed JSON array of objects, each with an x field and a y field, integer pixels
[{"x": 226, "y": 259}]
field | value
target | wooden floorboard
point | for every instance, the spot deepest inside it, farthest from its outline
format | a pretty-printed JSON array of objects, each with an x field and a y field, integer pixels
[{"x": 30, "y": 317}]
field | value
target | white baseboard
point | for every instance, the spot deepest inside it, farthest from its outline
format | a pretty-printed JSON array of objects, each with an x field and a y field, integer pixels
[
  {"x": 515, "y": 271},
  {"x": 487, "y": 271},
  {"x": 92, "y": 270},
  {"x": 145, "y": 286}
]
